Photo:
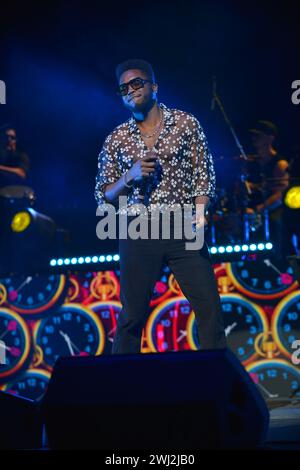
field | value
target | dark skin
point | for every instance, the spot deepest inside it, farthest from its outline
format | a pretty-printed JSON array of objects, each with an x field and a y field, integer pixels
[
  {"x": 11, "y": 145},
  {"x": 145, "y": 109}
]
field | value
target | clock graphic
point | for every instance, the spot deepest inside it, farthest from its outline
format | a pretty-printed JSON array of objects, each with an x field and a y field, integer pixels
[
  {"x": 15, "y": 339},
  {"x": 165, "y": 329},
  {"x": 32, "y": 296},
  {"x": 262, "y": 279},
  {"x": 276, "y": 378},
  {"x": 285, "y": 323},
  {"x": 108, "y": 312},
  {"x": 243, "y": 321},
  {"x": 162, "y": 289},
  {"x": 73, "y": 330},
  {"x": 32, "y": 384}
]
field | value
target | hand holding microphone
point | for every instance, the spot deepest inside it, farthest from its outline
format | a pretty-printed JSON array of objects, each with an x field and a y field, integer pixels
[{"x": 142, "y": 169}]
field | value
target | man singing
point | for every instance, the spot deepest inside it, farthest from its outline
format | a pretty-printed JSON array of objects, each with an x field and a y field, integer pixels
[{"x": 158, "y": 157}]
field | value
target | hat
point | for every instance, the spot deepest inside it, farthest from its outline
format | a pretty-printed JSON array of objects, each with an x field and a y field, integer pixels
[{"x": 264, "y": 127}]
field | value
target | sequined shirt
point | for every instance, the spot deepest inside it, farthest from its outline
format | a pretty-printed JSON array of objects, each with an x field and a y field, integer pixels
[{"x": 184, "y": 167}]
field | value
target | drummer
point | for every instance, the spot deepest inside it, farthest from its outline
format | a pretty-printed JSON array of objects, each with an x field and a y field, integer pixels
[
  {"x": 268, "y": 177},
  {"x": 14, "y": 164}
]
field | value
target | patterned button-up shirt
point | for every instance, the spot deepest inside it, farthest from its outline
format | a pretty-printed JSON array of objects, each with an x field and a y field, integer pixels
[{"x": 184, "y": 168}]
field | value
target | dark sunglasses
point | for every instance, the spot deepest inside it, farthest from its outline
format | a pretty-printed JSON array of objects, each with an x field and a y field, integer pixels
[
  {"x": 135, "y": 83},
  {"x": 11, "y": 137}
]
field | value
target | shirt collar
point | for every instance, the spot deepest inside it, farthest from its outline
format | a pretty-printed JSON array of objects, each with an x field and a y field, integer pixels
[{"x": 169, "y": 119}]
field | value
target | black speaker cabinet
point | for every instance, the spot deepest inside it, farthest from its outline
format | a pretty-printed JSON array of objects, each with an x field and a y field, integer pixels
[
  {"x": 20, "y": 423},
  {"x": 176, "y": 400}
]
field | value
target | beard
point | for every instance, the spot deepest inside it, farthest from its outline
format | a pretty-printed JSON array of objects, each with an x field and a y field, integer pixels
[{"x": 143, "y": 105}]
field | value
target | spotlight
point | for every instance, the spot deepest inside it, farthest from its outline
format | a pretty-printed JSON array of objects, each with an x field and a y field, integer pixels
[
  {"x": 20, "y": 221},
  {"x": 292, "y": 197}
]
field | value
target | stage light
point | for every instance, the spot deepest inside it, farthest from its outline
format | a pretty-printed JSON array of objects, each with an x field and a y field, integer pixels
[
  {"x": 292, "y": 197},
  {"x": 20, "y": 221}
]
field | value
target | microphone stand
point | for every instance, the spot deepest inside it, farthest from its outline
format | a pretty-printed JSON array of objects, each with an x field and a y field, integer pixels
[{"x": 247, "y": 190}]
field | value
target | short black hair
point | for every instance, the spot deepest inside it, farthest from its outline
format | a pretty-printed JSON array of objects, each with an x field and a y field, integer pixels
[{"x": 135, "y": 64}]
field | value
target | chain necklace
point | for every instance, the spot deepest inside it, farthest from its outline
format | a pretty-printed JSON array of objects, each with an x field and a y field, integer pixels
[{"x": 157, "y": 128}]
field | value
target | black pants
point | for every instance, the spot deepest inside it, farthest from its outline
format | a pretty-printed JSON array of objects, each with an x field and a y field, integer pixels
[{"x": 140, "y": 264}]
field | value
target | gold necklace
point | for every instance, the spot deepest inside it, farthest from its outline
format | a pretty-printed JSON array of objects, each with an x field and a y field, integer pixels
[{"x": 157, "y": 128}]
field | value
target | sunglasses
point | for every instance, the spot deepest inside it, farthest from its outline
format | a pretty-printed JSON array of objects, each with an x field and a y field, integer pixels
[{"x": 135, "y": 83}]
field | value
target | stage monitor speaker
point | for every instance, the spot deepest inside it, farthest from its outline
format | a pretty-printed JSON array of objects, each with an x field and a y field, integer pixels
[
  {"x": 173, "y": 400},
  {"x": 20, "y": 423}
]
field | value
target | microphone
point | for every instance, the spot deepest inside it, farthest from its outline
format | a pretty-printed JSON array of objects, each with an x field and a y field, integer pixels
[
  {"x": 214, "y": 90},
  {"x": 145, "y": 180}
]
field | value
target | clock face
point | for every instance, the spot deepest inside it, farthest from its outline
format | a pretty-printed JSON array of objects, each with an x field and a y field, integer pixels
[
  {"x": 32, "y": 384},
  {"x": 166, "y": 327},
  {"x": 16, "y": 341},
  {"x": 286, "y": 323},
  {"x": 35, "y": 295},
  {"x": 262, "y": 279},
  {"x": 276, "y": 378},
  {"x": 108, "y": 312},
  {"x": 73, "y": 330},
  {"x": 243, "y": 321}
]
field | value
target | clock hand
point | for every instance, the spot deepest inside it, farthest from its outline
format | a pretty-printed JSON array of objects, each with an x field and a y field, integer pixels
[
  {"x": 286, "y": 278},
  {"x": 68, "y": 341},
  {"x": 12, "y": 326},
  {"x": 271, "y": 265},
  {"x": 270, "y": 395},
  {"x": 14, "y": 293},
  {"x": 71, "y": 342},
  {"x": 183, "y": 334},
  {"x": 230, "y": 328},
  {"x": 13, "y": 350}
]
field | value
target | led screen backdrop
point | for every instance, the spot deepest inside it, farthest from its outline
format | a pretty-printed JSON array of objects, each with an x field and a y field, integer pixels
[{"x": 44, "y": 317}]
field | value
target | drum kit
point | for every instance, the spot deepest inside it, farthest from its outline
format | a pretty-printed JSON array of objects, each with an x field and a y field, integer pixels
[{"x": 230, "y": 221}]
